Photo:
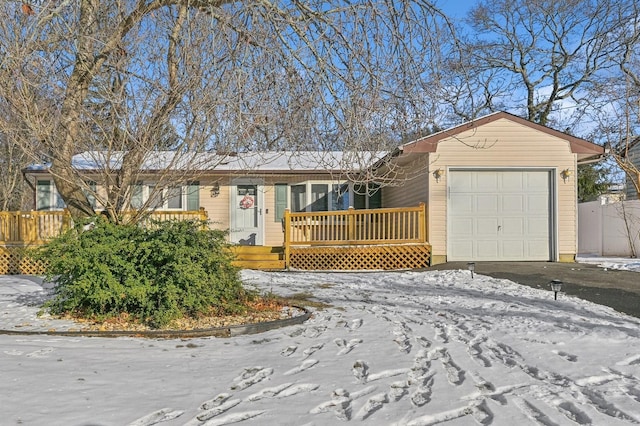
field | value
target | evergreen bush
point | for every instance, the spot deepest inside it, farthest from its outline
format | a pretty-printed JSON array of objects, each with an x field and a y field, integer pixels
[{"x": 155, "y": 274}]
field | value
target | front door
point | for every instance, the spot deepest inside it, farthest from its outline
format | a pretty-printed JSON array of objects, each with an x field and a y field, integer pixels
[{"x": 246, "y": 214}]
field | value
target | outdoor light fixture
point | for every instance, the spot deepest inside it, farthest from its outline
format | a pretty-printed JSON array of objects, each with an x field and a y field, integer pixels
[
  {"x": 472, "y": 268},
  {"x": 556, "y": 286},
  {"x": 565, "y": 174},
  {"x": 215, "y": 189},
  {"x": 437, "y": 174}
]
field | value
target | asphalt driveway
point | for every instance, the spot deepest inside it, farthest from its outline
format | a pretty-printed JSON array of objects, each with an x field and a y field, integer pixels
[{"x": 617, "y": 289}]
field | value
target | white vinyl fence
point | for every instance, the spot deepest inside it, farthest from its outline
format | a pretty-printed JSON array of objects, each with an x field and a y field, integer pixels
[{"x": 609, "y": 229}]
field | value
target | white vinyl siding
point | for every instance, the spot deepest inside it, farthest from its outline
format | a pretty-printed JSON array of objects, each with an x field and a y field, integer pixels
[{"x": 504, "y": 144}]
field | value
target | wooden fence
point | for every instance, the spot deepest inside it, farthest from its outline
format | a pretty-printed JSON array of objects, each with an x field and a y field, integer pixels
[
  {"x": 22, "y": 230},
  {"x": 391, "y": 238}
]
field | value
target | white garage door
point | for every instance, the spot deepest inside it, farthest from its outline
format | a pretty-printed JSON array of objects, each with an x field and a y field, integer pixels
[{"x": 499, "y": 215}]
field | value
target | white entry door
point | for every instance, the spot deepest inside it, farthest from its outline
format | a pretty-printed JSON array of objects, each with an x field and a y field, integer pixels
[
  {"x": 499, "y": 215},
  {"x": 246, "y": 214}
]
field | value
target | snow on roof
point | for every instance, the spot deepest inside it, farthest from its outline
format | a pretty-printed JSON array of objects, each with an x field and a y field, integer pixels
[{"x": 251, "y": 161}]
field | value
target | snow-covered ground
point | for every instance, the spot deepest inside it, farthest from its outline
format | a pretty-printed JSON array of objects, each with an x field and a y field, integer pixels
[
  {"x": 403, "y": 348},
  {"x": 622, "y": 263}
]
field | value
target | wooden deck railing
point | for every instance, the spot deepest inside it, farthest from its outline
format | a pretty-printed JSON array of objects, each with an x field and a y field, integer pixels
[
  {"x": 354, "y": 227},
  {"x": 36, "y": 227}
]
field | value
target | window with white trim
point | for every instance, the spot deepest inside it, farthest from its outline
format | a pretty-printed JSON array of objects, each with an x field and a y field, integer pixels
[
  {"x": 47, "y": 196},
  {"x": 183, "y": 197}
]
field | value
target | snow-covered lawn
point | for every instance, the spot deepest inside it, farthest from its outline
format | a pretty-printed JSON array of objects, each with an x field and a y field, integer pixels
[
  {"x": 622, "y": 263},
  {"x": 404, "y": 348}
]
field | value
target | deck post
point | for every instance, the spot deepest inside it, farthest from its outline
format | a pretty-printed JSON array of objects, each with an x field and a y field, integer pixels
[
  {"x": 287, "y": 238},
  {"x": 422, "y": 223},
  {"x": 351, "y": 224}
]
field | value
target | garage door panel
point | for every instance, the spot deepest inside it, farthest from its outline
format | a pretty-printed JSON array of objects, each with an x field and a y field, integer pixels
[
  {"x": 499, "y": 215},
  {"x": 538, "y": 249},
  {"x": 460, "y": 182},
  {"x": 513, "y": 227},
  {"x": 538, "y": 227},
  {"x": 462, "y": 204},
  {"x": 486, "y": 226},
  {"x": 485, "y": 249},
  {"x": 487, "y": 204},
  {"x": 537, "y": 179},
  {"x": 513, "y": 182},
  {"x": 462, "y": 225},
  {"x": 514, "y": 250},
  {"x": 486, "y": 182},
  {"x": 464, "y": 249},
  {"x": 513, "y": 203},
  {"x": 538, "y": 203}
]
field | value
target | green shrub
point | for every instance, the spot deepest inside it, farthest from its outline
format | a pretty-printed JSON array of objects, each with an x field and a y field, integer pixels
[{"x": 172, "y": 269}]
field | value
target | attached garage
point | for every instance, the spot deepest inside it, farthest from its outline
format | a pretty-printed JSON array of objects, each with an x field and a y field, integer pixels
[
  {"x": 497, "y": 215},
  {"x": 498, "y": 188}
]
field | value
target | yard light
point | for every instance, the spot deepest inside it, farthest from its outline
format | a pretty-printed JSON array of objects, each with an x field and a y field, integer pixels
[
  {"x": 472, "y": 267},
  {"x": 556, "y": 286}
]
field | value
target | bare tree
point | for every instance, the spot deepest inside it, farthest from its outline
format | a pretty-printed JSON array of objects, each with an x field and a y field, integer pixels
[
  {"x": 122, "y": 80},
  {"x": 548, "y": 51}
]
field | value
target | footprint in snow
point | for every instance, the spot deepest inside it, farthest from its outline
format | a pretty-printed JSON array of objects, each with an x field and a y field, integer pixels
[
  {"x": 404, "y": 344},
  {"x": 41, "y": 353},
  {"x": 569, "y": 357},
  {"x": 288, "y": 351},
  {"x": 398, "y": 389},
  {"x": 234, "y": 418},
  {"x": 422, "y": 394},
  {"x": 372, "y": 405},
  {"x": 533, "y": 413},
  {"x": 356, "y": 324},
  {"x": 314, "y": 331},
  {"x": 206, "y": 415},
  {"x": 360, "y": 371},
  {"x": 310, "y": 350},
  {"x": 481, "y": 413},
  {"x": 423, "y": 341},
  {"x": 346, "y": 347},
  {"x": 340, "y": 404},
  {"x": 302, "y": 367},
  {"x": 251, "y": 376},
  {"x": 572, "y": 412},
  {"x": 156, "y": 417},
  {"x": 216, "y": 401},
  {"x": 269, "y": 392}
]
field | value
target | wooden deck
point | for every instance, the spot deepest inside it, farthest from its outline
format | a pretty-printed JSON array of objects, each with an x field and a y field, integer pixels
[
  {"x": 21, "y": 230},
  {"x": 393, "y": 238}
]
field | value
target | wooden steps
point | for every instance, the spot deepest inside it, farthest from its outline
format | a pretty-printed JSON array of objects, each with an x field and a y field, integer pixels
[{"x": 258, "y": 257}]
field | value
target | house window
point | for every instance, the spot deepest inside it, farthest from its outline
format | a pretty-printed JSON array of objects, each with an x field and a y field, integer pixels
[
  {"x": 170, "y": 198},
  {"x": 298, "y": 198},
  {"x": 91, "y": 193},
  {"x": 174, "y": 198},
  {"x": 47, "y": 196},
  {"x": 319, "y": 197}
]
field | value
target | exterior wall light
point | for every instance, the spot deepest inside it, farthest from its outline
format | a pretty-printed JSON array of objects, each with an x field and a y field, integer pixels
[
  {"x": 215, "y": 189},
  {"x": 556, "y": 286},
  {"x": 437, "y": 174},
  {"x": 565, "y": 175}
]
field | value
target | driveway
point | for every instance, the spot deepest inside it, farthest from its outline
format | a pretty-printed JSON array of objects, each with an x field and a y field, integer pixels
[{"x": 619, "y": 290}]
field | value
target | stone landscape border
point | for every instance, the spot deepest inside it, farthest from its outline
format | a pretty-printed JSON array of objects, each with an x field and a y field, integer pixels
[{"x": 229, "y": 331}]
